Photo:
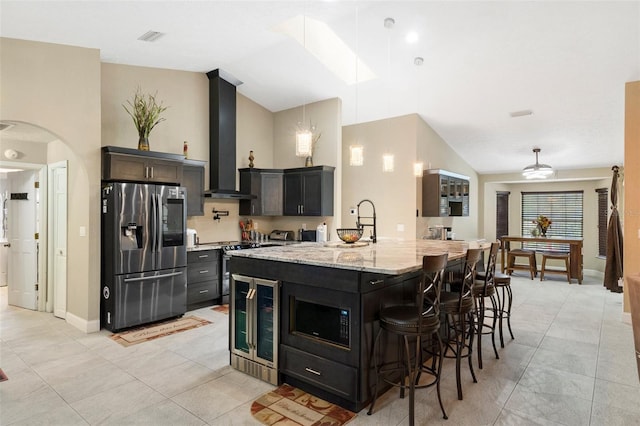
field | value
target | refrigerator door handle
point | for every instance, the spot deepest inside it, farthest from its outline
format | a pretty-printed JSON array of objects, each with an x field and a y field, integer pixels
[
  {"x": 153, "y": 218},
  {"x": 154, "y": 277},
  {"x": 159, "y": 221}
]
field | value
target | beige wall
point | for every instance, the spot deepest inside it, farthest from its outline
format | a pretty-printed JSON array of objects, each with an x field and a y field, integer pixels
[
  {"x": 58, "y": 88},
  {"x": 435, "y": 153},
  {"x": 186, "y": 94},
  {"x": 398, "y": 195},
  {"x": 326, "y": 116},
  {"x": 631, "y": 211},
  {"x": 394, "y": 193}
]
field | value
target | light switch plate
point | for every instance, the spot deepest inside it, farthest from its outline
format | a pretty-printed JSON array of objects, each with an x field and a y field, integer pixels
[{"x": 83, "y": 231}]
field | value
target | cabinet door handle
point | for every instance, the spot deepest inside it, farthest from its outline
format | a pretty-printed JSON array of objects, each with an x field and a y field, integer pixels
[
  {"x": 146, "y": 172},
  {"x": 204, "y": 271},
  {"x": 204, "y": 291},
  {"x": 151, "y": 172},
  {"x": 302, "y": 208},
  {"x": 376, "y": 282},
  {"x": 317, "y": 373},
  {"x": 202, "y": 256}
]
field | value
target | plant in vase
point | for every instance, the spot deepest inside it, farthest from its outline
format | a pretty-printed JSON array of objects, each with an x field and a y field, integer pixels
[
  {"x": 145, "y": 111},
  {"x": 543, "y": 223}
]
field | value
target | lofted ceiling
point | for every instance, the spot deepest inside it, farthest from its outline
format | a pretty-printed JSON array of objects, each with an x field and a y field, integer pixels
[{"x": 567, "y": 62}]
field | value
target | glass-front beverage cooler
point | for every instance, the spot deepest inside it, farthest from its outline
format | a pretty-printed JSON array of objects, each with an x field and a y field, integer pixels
[{"x": 254, "y": 326}]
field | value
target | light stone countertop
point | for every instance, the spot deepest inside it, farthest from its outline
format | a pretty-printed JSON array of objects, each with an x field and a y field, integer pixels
[{"x": 393, "y": 257}]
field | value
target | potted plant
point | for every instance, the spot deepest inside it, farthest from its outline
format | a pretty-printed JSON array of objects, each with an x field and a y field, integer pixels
[{"x": 145, "y": 111}]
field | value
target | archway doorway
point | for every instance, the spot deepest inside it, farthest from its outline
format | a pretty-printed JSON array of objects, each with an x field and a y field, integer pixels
[{"x": 31, "y": 182}]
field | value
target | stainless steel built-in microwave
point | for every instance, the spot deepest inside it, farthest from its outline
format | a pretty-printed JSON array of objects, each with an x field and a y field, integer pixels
[{"x": 327, "y": 323}]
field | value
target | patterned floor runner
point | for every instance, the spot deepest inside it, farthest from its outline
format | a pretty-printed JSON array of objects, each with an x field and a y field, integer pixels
[
  {"x": 150, "y": 332},
  {"x": 288, "y": 405}
]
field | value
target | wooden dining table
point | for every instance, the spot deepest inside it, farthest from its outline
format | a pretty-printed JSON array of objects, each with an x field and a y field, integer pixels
[{"x": 550, "y": 244}]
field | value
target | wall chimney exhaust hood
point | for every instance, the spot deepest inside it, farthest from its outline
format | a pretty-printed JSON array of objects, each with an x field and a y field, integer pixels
[{"x": 222, "y": 137}]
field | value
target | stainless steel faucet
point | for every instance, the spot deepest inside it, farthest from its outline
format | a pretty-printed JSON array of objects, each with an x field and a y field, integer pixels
[{"x": 359, "y": 224}]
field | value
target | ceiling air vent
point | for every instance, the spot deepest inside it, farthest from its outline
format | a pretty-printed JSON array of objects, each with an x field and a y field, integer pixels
[{"x": 150, "y": 36}]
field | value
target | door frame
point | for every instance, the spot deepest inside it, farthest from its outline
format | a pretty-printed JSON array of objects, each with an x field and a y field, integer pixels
[
  {"x": 51, "y": 220},
  {"x": 41, "y": 217}
]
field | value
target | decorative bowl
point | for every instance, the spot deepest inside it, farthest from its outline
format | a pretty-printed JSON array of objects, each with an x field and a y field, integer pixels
[{"x": 349, "y": 235}]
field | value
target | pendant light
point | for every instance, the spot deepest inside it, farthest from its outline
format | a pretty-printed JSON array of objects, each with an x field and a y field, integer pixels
[
  {"x": 356, "y": 151},
  {"x": 537, "y": 170},
  {"x": 304, "y": 137},
  {"x": 387, "y": 157}
]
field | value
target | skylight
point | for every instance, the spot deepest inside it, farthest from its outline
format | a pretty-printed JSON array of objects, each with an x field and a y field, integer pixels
[{"x": 327, "y": 47}]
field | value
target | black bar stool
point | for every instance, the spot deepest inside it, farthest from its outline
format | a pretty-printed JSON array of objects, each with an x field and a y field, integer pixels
[
  {"x": 415, "y": 321},
  {"x": 482, "y": 290},
  {"x": 458, "y": 307}
]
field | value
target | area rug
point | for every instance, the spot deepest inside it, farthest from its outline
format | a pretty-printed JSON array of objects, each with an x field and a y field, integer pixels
[
  {"x": 3, "y": 376},
  {"x": 221, "y": 308},
  {"x": 150, "y": 332},
  {"x": 288, "y": 405}
]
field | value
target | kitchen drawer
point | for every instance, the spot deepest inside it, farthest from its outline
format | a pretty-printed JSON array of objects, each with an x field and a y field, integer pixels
[
  {"x": 199, "y": 272},
  {"x": 339, "y": 379},
  {"x": 203, "y": 256},
  {"x": 203, "y": 291}
]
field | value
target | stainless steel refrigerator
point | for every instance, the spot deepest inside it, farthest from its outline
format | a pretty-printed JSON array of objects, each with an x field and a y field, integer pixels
[{"x": 144, "y": 255}]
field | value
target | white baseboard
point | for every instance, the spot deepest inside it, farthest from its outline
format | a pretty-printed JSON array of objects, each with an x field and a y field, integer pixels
[{"x": 82, "y": 324}]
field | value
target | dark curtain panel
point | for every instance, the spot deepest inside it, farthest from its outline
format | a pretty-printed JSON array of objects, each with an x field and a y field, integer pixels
[{"x": 613, "y": 265}]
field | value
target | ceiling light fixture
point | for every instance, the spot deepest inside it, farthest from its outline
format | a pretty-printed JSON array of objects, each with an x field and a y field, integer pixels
[
  {"x": 356, "y": 155},
  {"x": 304, "y": 137},
  {"x": 412, "y": 37},
  {"x": 150, "y": 36},
  {"x": 387, "y": 163},
  {"x": 356, "y": 152},
  {"x": 537, "y": 171}
]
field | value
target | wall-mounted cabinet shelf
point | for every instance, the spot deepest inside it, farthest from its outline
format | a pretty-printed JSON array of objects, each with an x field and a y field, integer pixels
[
  {"x": 308, "y": 191},
  {"x": 444, "y": 194},
  {"x": 193, "y": 180},
  {"x": 266, "y": 185}
]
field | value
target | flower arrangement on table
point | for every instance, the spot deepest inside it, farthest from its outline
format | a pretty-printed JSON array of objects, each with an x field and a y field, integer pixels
[{"x": 543, "y": 224}]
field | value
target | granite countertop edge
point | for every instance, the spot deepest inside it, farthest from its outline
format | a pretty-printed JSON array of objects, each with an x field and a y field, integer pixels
[{"x": 390, "y": 257}]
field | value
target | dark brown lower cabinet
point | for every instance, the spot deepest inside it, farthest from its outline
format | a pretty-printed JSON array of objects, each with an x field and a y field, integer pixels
[
  {"x": 331, "y": 356},
  {"x": 203, "y": 278}
]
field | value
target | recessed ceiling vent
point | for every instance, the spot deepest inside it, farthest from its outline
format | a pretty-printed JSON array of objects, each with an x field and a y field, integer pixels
[{"x": 150, "y": 36}]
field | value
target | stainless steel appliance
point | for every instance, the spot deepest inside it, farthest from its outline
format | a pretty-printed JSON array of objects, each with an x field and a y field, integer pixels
[
  {"x": 281, "y": 235},
  {"x": 144, "y": 254},
  {"x": 255, "y": 326}
]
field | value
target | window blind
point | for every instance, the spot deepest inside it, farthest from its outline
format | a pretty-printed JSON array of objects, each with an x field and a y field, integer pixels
[
  {"x": 603, "y": 208},
  {"x": 563, "y": 208}
]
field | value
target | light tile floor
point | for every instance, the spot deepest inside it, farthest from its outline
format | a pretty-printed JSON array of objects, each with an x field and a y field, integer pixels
[{"x": 571, "y": 363}]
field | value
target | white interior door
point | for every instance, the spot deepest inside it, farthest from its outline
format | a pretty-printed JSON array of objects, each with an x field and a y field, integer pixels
[
  {"x": 59, "y": 235},
  {"x": 23, "y": 250}
]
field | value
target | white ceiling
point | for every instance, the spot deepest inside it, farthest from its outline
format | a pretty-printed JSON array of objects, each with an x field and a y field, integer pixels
[{"x": 566, "y": 61}]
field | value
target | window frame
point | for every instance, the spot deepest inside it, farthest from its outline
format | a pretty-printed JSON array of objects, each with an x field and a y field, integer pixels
[{"x": 564, "y": 208}]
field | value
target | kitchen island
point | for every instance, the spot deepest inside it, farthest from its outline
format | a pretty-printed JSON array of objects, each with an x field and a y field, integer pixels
[{"x": 306, "y": 314}]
